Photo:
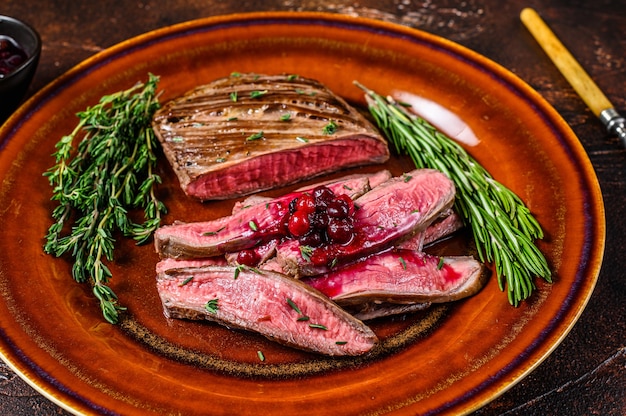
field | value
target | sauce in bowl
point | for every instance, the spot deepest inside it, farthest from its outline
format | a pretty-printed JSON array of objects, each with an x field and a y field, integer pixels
[{"x": 12, "y": 56}]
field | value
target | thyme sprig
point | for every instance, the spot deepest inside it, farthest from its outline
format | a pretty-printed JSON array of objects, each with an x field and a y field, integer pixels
[
  {"x": 502, "y": 225},
  {"x": 98, "y": 181}
]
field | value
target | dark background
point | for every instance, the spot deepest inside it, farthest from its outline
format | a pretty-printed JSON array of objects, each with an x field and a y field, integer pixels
[{"x": 586, "y": 374}]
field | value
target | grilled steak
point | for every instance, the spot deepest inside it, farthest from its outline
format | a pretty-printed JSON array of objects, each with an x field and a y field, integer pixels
[
  {"x": 274, "y": 305},
  {"x": 394, "y": 211},
  {"x": 373, "y": 310},
  {"x": 402, "y": 276},
  {"x": 236, "y": 232},
  {"x": 249, "y": 132}
]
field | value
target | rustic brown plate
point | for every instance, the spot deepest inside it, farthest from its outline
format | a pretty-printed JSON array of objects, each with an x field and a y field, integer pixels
[{"x": 451, "y": 359}]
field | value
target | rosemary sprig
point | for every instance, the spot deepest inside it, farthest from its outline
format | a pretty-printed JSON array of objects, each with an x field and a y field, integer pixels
[
  {"x": 97, "y": 182},
  {"x": 503, "y": 227}
]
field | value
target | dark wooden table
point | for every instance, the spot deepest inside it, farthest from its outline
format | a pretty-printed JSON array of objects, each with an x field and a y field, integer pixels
[{"x": 586, "y": 374}]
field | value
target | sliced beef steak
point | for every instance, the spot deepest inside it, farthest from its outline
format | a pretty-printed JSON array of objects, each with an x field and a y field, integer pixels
[
  {"x": 271, "y": 304},
  {"x": 252, "y": 223},
  {"x": 402, "y": 276},
  {"x": 250, "y": 132},
  {"x": 394, "y": 211}
]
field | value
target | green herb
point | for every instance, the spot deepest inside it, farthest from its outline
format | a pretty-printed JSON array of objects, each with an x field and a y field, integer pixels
[
  {"x": 440, "y": 264},
  {"x": 402, "y": 262},
  {"x": 96, "y": 184},
  {"x": 292, "y": 77},
  {"x": 212, "y": 306},
  {"x": 220, "y": 160},
  {"x": 330, "y": 128},
  {"x": 186, "y": 281},
  {"x": 306, "y": 252},
  {"x": 259, "y": 354},
  {"x": 233, "y": 96},
  {"x": 238, "y": 270},
  {"x": 233, "y": 118},
  {"x": 303, "y": 318},
  {"x": 302, "y": 139},
  {"x": 503, "y": 227},
  {"x": 293, "y": 306},
  {"x": 318, "y": 326},
  {"x": 255, "y": 136},
  {"x": 235, "y": 74},
  {"x": 285, "y": 117},
  {"x": 341, "y": 342},
  {"x": 258, "y": 94},
  {"x": 253, "y": 225}
]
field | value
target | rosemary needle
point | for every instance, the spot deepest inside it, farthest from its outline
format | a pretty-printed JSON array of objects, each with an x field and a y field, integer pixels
[
  {"x": 503, "y": 227},
  {"x": 97, "y": 182}
]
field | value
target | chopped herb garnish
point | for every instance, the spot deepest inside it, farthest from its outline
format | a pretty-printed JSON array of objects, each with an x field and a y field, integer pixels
[
  {"x": 255, "y": 136},
  {"x": 292, "y": 77},
  {"x": 220, "y": 160},
  {"x": 407, "y": 178},
  {"x": 210, "y": 233},
  {"x": 341, "y": 342},
  {"x": 330, "y": 128},
  {"x": 257, "y": 94},
  {"x": 211, "y": 306},
  {"x": 177, "y": 139},
  {"x": 238, "y": 270},
  {"x": 260, "y": 355},
  {"x": 232, "y": 119},
  {"x": 235, "y": 74},
  {"x": 440, "y": 264},
  {"x": 303, "y": 318},
  {"x": 184, "y": 282},
  {"x": 285, "y": 117},
  {"x": 306, "y": 252},
  {"x": 334, "y": 262},
  {"x": 233, "y": 96},
  {"x": 294, "y": 306},
  {"x": 415, "y": 211},
  {"x": 253, "y": 225},
  {"x": 402, "y": 262},
  {"x": 347, "y": 187},
  {"x": 302, "y": 139},
  {"x": 318, "y": 326}
]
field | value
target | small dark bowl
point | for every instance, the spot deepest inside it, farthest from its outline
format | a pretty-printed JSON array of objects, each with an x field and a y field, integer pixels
[{"x": 14, "y": 85}]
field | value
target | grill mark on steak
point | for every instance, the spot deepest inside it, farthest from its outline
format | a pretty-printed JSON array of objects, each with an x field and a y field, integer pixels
[
  {"x": 402, "y": 276},
  {"x": 394, "y": 211},
  {"x": 205, "y": 135},
  {"x": 263, "y": 302}
]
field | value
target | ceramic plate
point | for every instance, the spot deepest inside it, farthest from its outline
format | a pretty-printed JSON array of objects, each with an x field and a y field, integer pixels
[{"x": 449, "y": 359}]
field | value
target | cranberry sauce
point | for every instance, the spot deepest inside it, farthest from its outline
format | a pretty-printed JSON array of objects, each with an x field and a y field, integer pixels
[{"x": 12, "y": 56}]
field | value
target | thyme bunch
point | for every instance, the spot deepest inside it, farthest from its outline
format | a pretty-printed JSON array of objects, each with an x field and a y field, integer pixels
[
  {"x": 100, "y": 180},
  {"x": 503, "y": 227}
]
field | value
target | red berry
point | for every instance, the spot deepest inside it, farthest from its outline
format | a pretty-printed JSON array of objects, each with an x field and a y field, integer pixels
[
  {"x": 247, "y": 258},
  {"x": 323, "y": 195},
  {"x": 339, "y": 231},
  {"x": 338, "y": 208},
  {"x": 306, "y": 203},
  {"x": 299, "y": 224}
]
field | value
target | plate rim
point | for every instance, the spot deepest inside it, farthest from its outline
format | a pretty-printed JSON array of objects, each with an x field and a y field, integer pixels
[{"x": 154, "y": 36}]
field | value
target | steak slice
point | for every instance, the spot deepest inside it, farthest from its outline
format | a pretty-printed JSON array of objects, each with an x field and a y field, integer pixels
[
  {"x": 271, "y": 304},
  {"x": 402, "y": 276},
  {"x": 250, "y": 132},
  {"x": 236, "y": 232},
  {"x": 373, "y": 310},
  {"x": 394, "y": 211}
]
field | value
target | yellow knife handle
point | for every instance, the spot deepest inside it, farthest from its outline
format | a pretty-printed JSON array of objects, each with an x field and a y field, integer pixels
[{"x": 565, "y": 62}]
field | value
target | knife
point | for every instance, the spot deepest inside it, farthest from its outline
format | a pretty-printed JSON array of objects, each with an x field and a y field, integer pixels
[{"x": 578, "y": 78}]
